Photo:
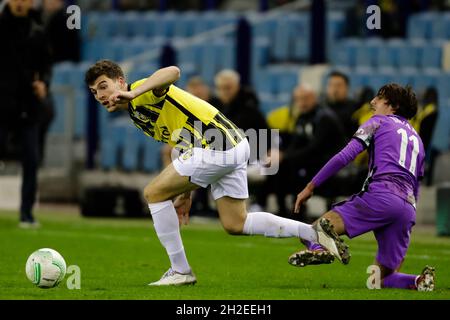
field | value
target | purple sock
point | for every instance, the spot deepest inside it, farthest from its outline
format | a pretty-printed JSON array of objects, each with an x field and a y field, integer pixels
[
  {"x": 312, "y": 245},
  {"x": 400, "y": 280}
]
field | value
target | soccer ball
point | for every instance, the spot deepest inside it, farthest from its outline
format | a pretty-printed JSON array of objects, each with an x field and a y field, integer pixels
[{"x": 45, "y": 268}]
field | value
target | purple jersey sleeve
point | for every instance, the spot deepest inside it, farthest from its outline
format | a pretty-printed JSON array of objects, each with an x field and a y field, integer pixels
[
  {"x": 340, "y": 160},
  {"x": 367, "y": 130}
]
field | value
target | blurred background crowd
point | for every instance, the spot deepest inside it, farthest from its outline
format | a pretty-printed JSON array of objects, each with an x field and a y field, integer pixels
[{"x": 306, "y": 68}]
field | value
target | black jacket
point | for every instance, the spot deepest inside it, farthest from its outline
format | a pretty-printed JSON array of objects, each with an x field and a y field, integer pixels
[
  {"x": 318, "y": 136},
  {"x": 243, "y": 110},
  {"x": 24, "y": 57},
  {"x": 344, "y": 110}
]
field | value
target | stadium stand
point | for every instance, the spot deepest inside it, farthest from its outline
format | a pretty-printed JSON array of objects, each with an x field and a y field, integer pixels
[{"x": 280, "y": 47}]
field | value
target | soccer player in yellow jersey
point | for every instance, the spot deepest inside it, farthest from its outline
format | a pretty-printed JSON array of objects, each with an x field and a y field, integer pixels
[{"x": 213, "y": 152}]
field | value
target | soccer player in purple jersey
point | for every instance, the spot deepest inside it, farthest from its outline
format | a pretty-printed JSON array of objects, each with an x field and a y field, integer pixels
[{"x": 387, "y": 203}]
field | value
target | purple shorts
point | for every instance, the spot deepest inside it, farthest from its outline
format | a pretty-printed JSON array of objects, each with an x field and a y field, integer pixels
[{"x": 389, "y": 217}]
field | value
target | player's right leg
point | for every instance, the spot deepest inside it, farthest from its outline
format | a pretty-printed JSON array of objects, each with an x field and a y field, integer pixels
[
  {"x": 328, "y": 245},
  {"x": 158, "y": 194}
]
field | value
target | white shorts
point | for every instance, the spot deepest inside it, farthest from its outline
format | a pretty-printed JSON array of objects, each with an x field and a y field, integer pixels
[{"x": 225, "y": 171}]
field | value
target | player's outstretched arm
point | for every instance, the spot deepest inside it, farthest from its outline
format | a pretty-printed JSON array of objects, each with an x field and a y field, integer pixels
[
  {"x": 158, "y": 81},
  {"x": 340, "y": 160}
]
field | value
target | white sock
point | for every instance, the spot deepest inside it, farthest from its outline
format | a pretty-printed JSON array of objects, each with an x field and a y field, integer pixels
[
  {"x": 165, "y": 220},
  {"x": 270, "y": 225}
]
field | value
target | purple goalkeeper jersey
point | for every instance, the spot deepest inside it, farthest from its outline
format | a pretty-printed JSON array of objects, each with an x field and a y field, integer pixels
[{"x": 396, "y": 157}]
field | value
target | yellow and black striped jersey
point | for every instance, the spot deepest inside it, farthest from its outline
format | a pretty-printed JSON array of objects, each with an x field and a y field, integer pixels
[{"x": 182, "y": 120}]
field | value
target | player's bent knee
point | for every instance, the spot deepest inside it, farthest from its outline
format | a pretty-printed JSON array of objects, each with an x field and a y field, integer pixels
[
  {"x": 233, "y": 228},
  {"x": 151, "y": 194}
]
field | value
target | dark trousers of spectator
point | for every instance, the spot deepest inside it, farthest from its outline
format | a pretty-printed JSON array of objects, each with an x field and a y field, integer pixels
[{"x": 28, "y": 138}]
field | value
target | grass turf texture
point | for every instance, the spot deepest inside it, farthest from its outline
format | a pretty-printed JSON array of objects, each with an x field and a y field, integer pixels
[{"x": 118, "y": 257}]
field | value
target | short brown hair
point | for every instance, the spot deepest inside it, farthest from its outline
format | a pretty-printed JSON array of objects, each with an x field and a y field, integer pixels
[
  {"x": 103, "y": 67},
  {"x": 402, "y": 99}
]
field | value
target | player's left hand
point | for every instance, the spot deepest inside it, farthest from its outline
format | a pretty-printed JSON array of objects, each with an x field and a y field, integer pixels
[
  {"x": 182, "y": 205},
  {"x": 120, "y": 97},
  {"x": 303, "y": 196}
]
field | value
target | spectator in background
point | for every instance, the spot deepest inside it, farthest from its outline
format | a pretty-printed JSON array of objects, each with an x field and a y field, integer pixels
[
  {"x": 240, "y": 104},
  {"x": 337, "y": 99},
  {"x": 318, "y": 134},
  {"x": 236, "y": 102},
  {"x": 285, "y": 117},
  {"x": 424, "y": 123},
  {"x": 24, "y": 70},
  {"x": 64, "y": 42}
]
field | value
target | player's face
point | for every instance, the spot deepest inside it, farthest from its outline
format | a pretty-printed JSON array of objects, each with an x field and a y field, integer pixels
[
  {"x": 380, "y": 106},
  {"x": 20, "y": 8},
  {"x": 103, "y": 88},
  {"x": 337, "y": 89}
]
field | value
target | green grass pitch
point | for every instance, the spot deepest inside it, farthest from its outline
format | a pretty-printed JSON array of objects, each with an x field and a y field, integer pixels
[{"x": 119, "y": 257}]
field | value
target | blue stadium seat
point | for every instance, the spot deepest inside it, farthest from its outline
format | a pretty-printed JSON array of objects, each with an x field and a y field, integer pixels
[
  {"x": 61, "y": 73},
  {"x": 265, "y": 28},
  {"x": 190, "y": 55},
  {"x": 335, "y": 30},
  {"x": 287, "y": 82},
  {"x": 130, "y": 154},
  {"x": 424, "y": 80},
  {"x": 345, "y": 53},
  {"x": 263, "y": 83},
  {"x": 126, "y": 23},
  {"x": 151, "y": 154},
  {"x": 81, "y": 104},
  {"x": 387, "y": 57},
  {"x": 440, "y": 27},
  {"x": 281, "y": 48},
  {"x": 441, "y": 135},
  {"x": 443, "y": 85},
  {"x": 226, "y": 51},
  {"x": 299, "y": 37},
  {"x": 146, "y": 25},
  {"x": 431, "y": 57},
  {"x": 113, "y": 142},
  {"x": 209, "y": 64},
  {"x": 402, "y": 78},
  {"x": 268, "y": 102},
  {"x": 419, "y": 26},
  {"x": 165, "y": 24},
  {"x": 408, "y": 55},
  {"x": 358, "y": 81},
  {"x": 184, "y": 24},
  {"x": 57, "y": 125},
  {"x": 366, "y": 54}
]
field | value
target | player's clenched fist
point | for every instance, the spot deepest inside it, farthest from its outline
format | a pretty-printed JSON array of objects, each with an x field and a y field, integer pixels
[{"x": 120, "y": 97}]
